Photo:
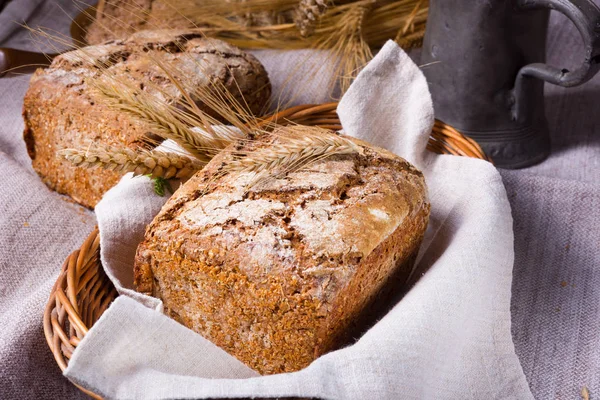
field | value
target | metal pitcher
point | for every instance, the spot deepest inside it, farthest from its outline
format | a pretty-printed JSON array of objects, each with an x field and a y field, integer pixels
[{"x": 484, "y": 61}]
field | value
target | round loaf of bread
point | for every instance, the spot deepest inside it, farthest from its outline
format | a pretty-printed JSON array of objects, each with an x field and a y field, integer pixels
[
  {"x": 62, "y": 111},
  {"x": 277, "y": 274},
  {"x": 121, "y": 18}
]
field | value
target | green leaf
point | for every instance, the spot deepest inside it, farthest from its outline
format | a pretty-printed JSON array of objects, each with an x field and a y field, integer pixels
[
  {"x": 159, "y": 187},
  {"x": 160, "y": 184}
]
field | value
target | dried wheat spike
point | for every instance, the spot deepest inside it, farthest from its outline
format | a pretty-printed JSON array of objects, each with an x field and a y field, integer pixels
[
  {"x": 410, "y": 42},
  {"x": 159, "y": 164},
  {"x": 292, "y": 153},
  {"x": 307, "y": 15}
]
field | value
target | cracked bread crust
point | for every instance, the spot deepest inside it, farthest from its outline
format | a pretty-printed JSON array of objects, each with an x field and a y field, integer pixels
[
  {"x": 279, "y": 274},
  {"x": 61, "y": 111}
]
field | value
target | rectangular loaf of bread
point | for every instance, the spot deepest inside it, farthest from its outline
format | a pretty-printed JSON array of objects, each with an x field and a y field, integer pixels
[{"x": 276, "y": 275}]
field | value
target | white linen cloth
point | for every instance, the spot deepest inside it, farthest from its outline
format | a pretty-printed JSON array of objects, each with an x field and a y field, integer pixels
[{"x": 448, "y": 338}]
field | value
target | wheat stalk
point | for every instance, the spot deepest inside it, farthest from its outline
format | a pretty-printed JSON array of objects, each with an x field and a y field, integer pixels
[
  {"x": 386, "y": 19},
  {"x": 159, "y": 164},
  {"x": 294, "y": 147},
  {"x": 349, "y": 28},
  {"x": 347, "y": 43},
  {"x": 167, "y": 120}
]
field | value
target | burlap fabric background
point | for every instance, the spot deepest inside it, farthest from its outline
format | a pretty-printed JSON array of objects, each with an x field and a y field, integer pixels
[{"x": 556, "y": 285}]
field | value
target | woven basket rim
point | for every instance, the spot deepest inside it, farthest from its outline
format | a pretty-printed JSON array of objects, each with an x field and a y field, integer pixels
[{"x": 82, "y": 291}]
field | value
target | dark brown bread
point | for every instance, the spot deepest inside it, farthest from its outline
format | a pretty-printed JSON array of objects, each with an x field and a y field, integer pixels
[
  {"x": 61, "y": 111},
  {"x": 121, "y": 18},
  {"x": 277, "y": 275}
]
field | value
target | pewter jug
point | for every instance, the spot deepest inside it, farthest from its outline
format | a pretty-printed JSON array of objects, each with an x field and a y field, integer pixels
[{"x": 484, "y": 62}]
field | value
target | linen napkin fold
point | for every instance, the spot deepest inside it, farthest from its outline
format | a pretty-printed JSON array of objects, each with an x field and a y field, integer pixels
[{"x": 448, "y": 338}]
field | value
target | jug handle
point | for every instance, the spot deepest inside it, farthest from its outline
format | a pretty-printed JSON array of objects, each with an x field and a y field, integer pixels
[{"x": 586, "y": 17}]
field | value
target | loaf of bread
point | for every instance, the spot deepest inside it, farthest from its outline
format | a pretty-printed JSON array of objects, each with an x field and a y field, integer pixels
[
  {"x": 277, "y": 274},
  {"x": 62, "y": 111},
  {"x": 121, "y": 18}
]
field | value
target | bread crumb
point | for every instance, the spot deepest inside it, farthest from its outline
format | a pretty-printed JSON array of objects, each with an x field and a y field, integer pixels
[
  {"x": 26, "y": 224},
  {"x": 563, "y": 283},
  {"x": 585, "y": 393}
]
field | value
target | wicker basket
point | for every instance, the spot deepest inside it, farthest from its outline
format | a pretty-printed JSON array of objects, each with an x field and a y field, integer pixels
[{"x": 83, "y": 291}]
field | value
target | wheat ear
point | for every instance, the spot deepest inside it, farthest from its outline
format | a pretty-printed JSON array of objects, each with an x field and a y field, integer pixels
[
  {"x": 295, "y": 148},
  {"x": 308, "y": 13},
  {"x": 159, "y": 164}
]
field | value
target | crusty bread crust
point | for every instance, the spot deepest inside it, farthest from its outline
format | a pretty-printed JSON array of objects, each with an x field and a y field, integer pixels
[
  {"x": 121, "y": 18},
  {"x": 61, "y": 111},
  {"x": 277, "y": 275}
]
